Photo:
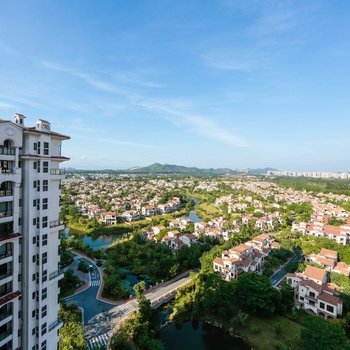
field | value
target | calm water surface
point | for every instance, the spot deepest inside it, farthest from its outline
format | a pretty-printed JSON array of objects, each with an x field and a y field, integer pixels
[{"x": 201, "y": 337}]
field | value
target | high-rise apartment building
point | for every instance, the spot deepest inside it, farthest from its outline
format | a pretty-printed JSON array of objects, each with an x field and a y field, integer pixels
[{"x": 29, "y": 234}]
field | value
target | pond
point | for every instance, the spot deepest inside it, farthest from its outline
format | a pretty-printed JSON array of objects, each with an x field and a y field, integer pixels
[
  {"x": 95, "y": 243},
  {"x": 192, "y": 215},
  {"x": 203, "y": 336}
]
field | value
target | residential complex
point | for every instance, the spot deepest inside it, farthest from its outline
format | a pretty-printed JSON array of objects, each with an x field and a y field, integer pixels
[
  {"x": 247, "y": 257},
  {"x": 315, "y": 174},
  {"x": 314, "y": 294},
  {"x": 30, "y": 181}
]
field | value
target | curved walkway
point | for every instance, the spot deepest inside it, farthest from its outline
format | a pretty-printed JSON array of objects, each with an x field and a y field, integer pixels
[{"x": 87, "y": 298}]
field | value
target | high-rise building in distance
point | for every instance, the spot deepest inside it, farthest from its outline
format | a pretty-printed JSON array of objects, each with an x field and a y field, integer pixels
[{"x": 30, "y": 180}]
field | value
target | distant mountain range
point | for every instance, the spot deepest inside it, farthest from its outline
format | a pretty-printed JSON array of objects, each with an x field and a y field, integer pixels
[{"x": 158, "y": 168}]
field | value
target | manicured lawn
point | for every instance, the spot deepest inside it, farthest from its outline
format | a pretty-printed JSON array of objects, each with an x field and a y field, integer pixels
[
  {"x": 265, "y": 334},
  {"x": 207, "y": 210}
]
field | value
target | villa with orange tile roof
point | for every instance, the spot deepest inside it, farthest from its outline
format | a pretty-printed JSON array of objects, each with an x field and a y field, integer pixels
[
  {"x": 247, "y": 257},
  {"x": 314, "y": 294}
]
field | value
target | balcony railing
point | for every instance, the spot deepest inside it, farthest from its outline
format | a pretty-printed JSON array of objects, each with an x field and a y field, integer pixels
[
  {"x": 8, "y": 151},
  {"x": 10, "y": 235},
  {"x": 55, "y": 324},
  {"x": 8, "y": 295},
  {"x": 56, "y": 274},
  {"x": 56, "y": 223},
  {"x": 5, "y": 275},
  {"x": 6, "y": 213},
  {"x": 6, "y": 254},
  {"x": 56, "y": 171},
  {"x": 6, "y": 314},
  {"x": 5, "y": 334},
  {"x": 5, "y": 193},
  {"x": 7, "y": 170}
]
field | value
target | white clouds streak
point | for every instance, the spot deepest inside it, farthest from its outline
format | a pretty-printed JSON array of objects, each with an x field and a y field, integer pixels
[{"x": 172, "y": 110}]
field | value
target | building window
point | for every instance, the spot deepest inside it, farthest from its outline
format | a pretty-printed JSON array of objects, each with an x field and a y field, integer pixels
[
  {"x": 34, "y": 202},
  {"x": 38, "y": 147},
  {"x": 43, "y": 328},
  {"x": 44, "y": 258},
  {"x": 34, "y": 184},
  {"x": 34, "y": 258},
  {"x": 38, "y": 204},
  {"x": 44, "y": 242},
  {"x": 312, "y": 294},
  {"x": 43, "y": 345},
  {"x": 45, "y": 203},
  {"x": 44, "y": 311},
  {"x": 37, "y": 222},
  {"x": 34, "y": 165},
  {"x": 321, "y": 305},
  {"x": 35, "y": 146},
  {"x": 45, "y": 185},
  {"x": 19, "y": 221},
  {"x": 45, "y": 167},
  {"x": 38, "y": 185},
  {"x": 301, "y": 298},
  {"x": 33, "y": 295},
  {"x": 33, "y": 277},
  {"x": 46, "y": 148},
  {"x": 44, "y": 294},
  {"x": 44, "y": 276},
  {"x": 34, "y": 239},
  {"x": 330, "y": 308},
  {"x": 33, "y": 313},
  {"x": 34, "y": 221},
  {"x": 44, "y": 222},
  {"x": 38, "y": 166},
  {"x": 33, "y": 331}
]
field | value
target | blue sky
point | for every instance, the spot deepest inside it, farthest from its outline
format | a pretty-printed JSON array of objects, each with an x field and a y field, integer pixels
[{"x": 226, "y": 83}]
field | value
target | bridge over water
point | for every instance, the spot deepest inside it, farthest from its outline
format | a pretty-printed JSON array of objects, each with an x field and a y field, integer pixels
[{"x": 100, "y": 328}]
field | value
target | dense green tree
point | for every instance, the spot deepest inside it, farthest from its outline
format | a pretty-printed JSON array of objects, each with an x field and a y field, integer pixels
[
  {"x": 72, "y": 333},
  {"x": 319, "y": 334},
  {"x": 255, "y": 294}
]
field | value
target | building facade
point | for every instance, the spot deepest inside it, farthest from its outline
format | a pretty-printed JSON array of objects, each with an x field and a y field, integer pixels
[{"x": 29, "y": 234}]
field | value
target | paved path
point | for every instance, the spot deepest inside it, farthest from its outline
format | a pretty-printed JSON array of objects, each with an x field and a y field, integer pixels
[
  {"x": 279, "y": 275},
  {"x": 99, "y": 329},
  {"x": 87, "y": 298}
]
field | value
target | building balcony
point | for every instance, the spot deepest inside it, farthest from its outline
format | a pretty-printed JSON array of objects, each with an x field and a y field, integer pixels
[
  {"x": 6, "y": 213},
  {"x": 7, "y": 236},
  {"x": 56, "y": 324},
  {"x": 57, "y": 223},
  {"x": 5, "y": 254},
  {"x": 6, "y": 193},
  {"x": 5, "y": 275},
  {"x": 8, "y": 151},
  {"x": 9, "y": 296},
  {"x": 7, "y": 170},
  {"x": 5, "y": 334},
  {"x": 6, "y": 312},
  {"x": 57, "y": 273},
  {"x": 57, "y": 172}
]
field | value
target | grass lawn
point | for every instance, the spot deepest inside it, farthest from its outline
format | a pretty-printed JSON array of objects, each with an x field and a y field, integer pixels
[
  {"x": 265, "y": 334},
  {"x": 207, "y": 210}
]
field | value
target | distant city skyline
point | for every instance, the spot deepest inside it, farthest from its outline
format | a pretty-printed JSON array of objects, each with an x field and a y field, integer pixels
[{"x": 236, "y": 84}]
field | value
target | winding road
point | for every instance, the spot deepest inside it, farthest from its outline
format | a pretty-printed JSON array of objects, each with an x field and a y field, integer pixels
[
  {"x": 100, "y": 317},
  {"x": 279, "y": 275}
]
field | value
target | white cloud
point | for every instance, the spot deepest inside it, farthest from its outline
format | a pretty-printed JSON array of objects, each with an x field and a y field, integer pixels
[{"x": 174, "y": 110}]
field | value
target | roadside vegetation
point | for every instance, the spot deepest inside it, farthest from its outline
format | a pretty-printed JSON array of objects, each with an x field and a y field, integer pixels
[
  {"x": 72, "y": 333},
  {"x": 139, "y": 331}
]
